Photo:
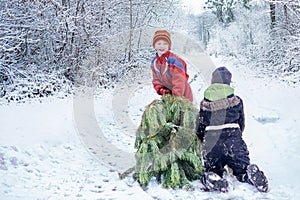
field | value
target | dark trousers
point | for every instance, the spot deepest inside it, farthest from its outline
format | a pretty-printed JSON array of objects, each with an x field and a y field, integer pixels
[{"x": 226, "y": 147}]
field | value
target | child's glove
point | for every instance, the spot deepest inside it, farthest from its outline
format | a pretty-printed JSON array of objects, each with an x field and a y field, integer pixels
[
  {"x": 201, "y": 131},
  {"x": 163, "y": 91}
]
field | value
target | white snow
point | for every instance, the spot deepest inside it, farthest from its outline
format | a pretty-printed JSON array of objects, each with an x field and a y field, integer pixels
[
  {"x": 44, "y": 153},
  {"x": 193, "y": 6}
]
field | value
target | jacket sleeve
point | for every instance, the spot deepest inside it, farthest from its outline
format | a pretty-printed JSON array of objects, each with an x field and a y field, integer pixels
[
  {"x": 202, "y": 121},
  {"x": 157, "y": 84},
  {"x": 179, "y": 77},
  {"x": 201, "y": 126},
  {"x": 241, "y": 120}
]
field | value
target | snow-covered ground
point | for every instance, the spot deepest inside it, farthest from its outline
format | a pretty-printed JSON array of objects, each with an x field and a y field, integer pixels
[{"x": 74, "y": 148}]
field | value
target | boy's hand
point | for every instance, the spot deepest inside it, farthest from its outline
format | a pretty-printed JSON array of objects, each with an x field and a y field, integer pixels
[{"x": 163, "y": 91}]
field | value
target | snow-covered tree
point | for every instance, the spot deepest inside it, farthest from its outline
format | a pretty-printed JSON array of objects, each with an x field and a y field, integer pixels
[
  {"x": 266, "y": 41},
  {"x": 224, "y": 9},
  {"x": 46, "y": 42}
]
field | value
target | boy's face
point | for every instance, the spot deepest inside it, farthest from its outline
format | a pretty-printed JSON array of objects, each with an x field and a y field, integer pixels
[{"x": 161, "y": 47}]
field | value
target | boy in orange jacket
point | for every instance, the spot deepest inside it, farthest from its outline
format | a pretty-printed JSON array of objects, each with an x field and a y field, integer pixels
[{"x": 169, "y": 71}]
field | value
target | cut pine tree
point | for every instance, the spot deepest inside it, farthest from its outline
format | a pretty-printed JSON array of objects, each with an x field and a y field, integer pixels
[{"x": 168, "y": 149}]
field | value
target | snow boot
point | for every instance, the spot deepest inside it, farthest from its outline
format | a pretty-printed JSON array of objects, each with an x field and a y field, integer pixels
[
  {"x": 257, "y": 178},
  {"x": 213, "y": 182}
]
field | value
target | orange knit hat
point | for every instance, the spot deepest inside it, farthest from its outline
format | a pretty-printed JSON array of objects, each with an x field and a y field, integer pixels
[{"x": 162, "y": 35}]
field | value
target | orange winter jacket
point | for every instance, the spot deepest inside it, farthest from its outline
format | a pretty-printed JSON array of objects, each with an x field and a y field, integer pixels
[{"x": 169, "y": 71}]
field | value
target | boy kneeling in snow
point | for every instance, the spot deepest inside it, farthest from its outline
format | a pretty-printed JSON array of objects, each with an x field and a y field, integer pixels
[{"x": 221, "y": 123}]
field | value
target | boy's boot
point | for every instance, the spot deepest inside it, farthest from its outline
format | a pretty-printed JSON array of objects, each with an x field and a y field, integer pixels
[
  {"x": 213, "y": 181},
  {"x": 257, "y": 178}
]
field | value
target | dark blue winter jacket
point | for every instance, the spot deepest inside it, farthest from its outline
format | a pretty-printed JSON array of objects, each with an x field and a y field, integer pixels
[{"x": 220, "y": 106}]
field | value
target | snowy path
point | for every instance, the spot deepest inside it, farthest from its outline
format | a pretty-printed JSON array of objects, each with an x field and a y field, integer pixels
[
  {"x": 42, "y": 157},
  {"x": 74, "y": 148}
]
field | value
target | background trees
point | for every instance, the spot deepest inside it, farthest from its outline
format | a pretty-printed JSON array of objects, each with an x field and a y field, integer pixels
[
  {"x": 45, "y": 45},
  {"x": 262, "y": 34},
  {"x": 46, "y": 42}
]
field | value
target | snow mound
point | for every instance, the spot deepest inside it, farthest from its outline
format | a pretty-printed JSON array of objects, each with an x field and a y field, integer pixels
[{"x": 265, "y": 115}]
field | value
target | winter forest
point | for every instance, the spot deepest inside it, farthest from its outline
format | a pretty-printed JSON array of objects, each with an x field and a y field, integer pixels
[
  {"x": 45, "y": 45},
  {"x": 52, "y": 49}
]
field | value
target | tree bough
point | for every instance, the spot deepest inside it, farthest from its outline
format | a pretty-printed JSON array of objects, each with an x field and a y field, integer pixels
[{"x": 168, "y": 149}]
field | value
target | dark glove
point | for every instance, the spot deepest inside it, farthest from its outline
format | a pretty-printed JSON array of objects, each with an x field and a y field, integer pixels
[
  {"x": 201, "y": 132},
  {"x": 163, "y": 91}
]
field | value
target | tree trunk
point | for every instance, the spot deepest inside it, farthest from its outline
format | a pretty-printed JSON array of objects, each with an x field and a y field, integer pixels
[
  {"x": 102, "y": 15},
  {"x": 272, "y": 14},
  {"x": 285, "y": 14},
  {"x": 130, "y": 31}
]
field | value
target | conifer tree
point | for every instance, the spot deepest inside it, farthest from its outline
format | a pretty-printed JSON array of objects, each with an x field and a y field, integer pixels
[{"x": 167, "y": 146}]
